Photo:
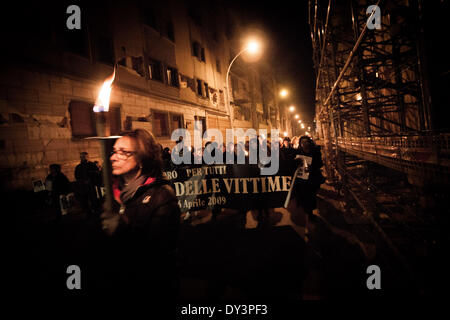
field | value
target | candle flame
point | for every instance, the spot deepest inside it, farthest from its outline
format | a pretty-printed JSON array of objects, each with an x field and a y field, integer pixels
[{"x": 102, "y": 103}]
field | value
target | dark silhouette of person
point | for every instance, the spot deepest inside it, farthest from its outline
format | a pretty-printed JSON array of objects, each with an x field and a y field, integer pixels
[
  {"x": 166, "y": 158},
  {"x": 286, "y": 150},
  {"x": 305, "y": 191},
  {"x": 57, "y": 184},
  {"x": 87, "y": 177}
]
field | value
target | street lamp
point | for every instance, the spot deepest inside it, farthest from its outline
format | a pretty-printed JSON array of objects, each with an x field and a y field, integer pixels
[
  {"x": 297, "y": 116},
  {"x": 291, "y": 108},
  {"x": 283, "y": 93},
  {"x": 252, "y": 47}
]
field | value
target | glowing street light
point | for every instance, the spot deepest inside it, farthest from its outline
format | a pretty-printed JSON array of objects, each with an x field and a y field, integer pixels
[
  {"x": 309, "y": 128},
  {"x": 299, "y": 121},
  {"x": 284, "y": 93},
  {"x": 291, "y": 108},
  {"x": 303, "y": 126},
  {"x": 252, "y": 47},
  {"x": 297, "y": 116}
]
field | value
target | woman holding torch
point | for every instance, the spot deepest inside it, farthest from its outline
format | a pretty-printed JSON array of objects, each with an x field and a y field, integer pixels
[{"x": 144, "y": 223}]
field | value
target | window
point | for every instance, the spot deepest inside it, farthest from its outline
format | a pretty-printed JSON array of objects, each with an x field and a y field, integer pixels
[
  {"x": 172, "y": 77},
  {"x": 199, "y": 87},
  {"x": 163, "y": 123},
  {"x": 196, "y": 49},
  {"x": 202, "y": 121},
  {"x": 202, "y": 55},
  {"x": 82, "y": 119},
  {"x": 176, "y": 121},
  {"x": 159, "y": 124},
  {"x": 218, "y": 66},
  {"x": 170, "y": 31},
  {"x": 155, "y": 70},
  {"x": 105, "y": 50},
  {"x": 206, "y": 89}
]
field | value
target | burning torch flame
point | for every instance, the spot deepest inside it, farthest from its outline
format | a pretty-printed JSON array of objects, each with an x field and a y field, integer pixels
[{"x": 102, "y": 103}]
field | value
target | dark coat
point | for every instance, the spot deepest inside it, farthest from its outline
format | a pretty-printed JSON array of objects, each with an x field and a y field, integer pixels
[
  {"x": 305, "y": 191},
  {"x": 60, "y": 186},
  {"x": 144, "y": 237},
  {"x": 87, "y": 172}
]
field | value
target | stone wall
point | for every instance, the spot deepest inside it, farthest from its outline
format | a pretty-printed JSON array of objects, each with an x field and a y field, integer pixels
[{"x": 35, "y": 122}]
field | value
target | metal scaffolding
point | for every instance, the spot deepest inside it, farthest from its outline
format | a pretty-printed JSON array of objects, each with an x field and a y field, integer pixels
[
  {"x": 372, "y": 90},
  {"x": 374, "y": 120}
]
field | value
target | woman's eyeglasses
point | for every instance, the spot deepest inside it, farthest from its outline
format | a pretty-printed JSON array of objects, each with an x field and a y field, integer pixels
[{"x": 122, "y": 154}]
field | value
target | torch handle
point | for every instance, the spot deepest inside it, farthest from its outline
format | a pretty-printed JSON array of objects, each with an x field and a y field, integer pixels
[
  {"x": 106, "y": 171},
  {"x": 102, "y": 131}
]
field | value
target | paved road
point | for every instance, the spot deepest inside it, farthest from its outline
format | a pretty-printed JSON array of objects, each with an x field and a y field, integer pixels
[{"x": 219, "y": 261}]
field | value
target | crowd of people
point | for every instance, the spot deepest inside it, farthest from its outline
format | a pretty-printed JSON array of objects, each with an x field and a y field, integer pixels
[
  {"x": 87, "y": 187},
  {"x": 88, "y": 175},
  {"x": 289, "y": 149},
  {"x": 146, "y": 214}
]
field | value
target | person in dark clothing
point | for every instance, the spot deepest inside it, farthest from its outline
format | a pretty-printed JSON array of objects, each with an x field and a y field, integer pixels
[
  {"x": 305, "y": 191},
  {"x": 286, "y": 150},
  {"x": 144, "y": 230},
  {"x": 87, "y": 176},
  {"x": 166, "y": 158},
  {"x": 57, "y": 184}
]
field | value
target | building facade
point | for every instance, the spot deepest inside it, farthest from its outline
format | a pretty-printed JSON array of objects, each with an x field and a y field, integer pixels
[{"x": 171, "y": 56}]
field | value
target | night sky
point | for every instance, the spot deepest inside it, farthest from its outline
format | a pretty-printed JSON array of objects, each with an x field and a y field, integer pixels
[{"x": 288, "y": 47}]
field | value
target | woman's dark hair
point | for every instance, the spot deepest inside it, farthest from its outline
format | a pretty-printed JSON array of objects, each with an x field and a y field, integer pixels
[
  {"x": 148, "y": 151},
  {"x": 307, "y": 138}
]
